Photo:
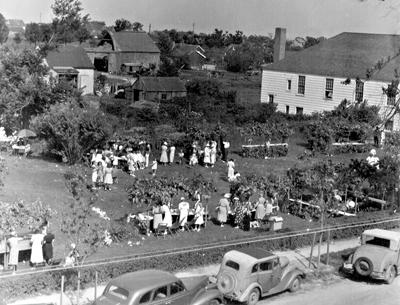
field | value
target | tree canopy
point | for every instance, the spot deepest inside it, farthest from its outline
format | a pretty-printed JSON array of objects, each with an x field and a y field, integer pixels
[{"x": 3, "y": 29}]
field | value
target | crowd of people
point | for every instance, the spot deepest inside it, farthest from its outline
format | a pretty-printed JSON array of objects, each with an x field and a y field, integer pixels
[
  {"x": 244, "y": 214},
  {"x": 42, "y": 244}
]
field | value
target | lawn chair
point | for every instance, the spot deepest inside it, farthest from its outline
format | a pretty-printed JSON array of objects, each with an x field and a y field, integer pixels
[
  {"x": 174, "y": 229},
  {"x": 161, "y": 230},
  {"x": 189, "y": 225}
]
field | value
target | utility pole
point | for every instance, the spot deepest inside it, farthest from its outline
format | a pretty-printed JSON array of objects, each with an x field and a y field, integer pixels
[
  {"x": 149, "y": 28},
  {"x": 193, "y": 27}
]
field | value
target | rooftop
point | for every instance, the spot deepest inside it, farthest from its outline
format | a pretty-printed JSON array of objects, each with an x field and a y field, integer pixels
[
  {"x": 69, "y": 56},
  {"x": 130, "y": 41},
  {"x": 160, "y": 84},
  {"x": 347, "y": 55}
]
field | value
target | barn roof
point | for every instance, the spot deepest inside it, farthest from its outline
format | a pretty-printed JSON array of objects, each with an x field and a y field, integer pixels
[
  {"x": 160, "y": 84},
  {"x": 69, "y": 56},
  {"x": 346, "y": 55},
  {"x": 130, "y": 41}
]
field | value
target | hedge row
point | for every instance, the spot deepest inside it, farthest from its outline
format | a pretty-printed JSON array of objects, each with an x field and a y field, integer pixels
[
  {"x": 262, "y": 151},
  {"x": 50, "y": 281},
  {"x": 350, "y": 148}
]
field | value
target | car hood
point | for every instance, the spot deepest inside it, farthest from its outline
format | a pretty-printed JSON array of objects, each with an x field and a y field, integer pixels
[{"x": 377, "y": 254}]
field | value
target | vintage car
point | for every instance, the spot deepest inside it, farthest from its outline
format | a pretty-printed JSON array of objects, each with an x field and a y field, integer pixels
[
  {"x": 378, "y": 257},
  {"x": 246, "y": 275},
  {"x": 159, "y": 287}
]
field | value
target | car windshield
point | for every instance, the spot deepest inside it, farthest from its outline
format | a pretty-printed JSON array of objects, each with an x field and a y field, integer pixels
[
  {"x": 232, "y": 264},
  {"x": 377, "y": 241},
  {"x": 119, "y": 292}
]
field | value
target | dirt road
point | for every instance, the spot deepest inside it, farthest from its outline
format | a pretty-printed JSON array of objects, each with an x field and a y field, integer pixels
[{"x": 340, "y": 292}]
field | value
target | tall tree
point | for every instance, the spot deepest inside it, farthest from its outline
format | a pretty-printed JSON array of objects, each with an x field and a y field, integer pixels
[
  {"x": 68, "y": 22},
  {"x": 137, "y": 26},
  {"x": 122, "y": 25},
  {"x": 3, "y": 29}
]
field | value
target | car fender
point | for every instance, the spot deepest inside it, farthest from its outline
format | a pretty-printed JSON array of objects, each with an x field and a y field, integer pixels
[
  {"x": 206, "y": 296},
  {"x": 243, "y": 297},
  {"x": 289, "y": 277}
]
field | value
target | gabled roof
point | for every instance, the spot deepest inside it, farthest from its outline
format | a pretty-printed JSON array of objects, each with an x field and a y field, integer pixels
[
  {"x": 188, "y": 49},
  {"x": 345, "y": 55},
  {"x": 130, "y": 41},
  {"x": 160, "y": 84},
  {"x": 69, "y": 56}
]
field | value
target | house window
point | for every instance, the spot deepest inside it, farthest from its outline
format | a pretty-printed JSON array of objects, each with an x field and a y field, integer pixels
[
  {"x": 270, "y": 98},
  {"x": 287, "y": 109},
  {"x": 299, "y": 110},
  {"x": 359, "y": 91},
  {"x": 163, "y": 96},
  {"x": 389, "y": 125},
  {"x": 329, "y": 88},
  {"x": 289, "y": 84},
  {"x": 302, "y": 85}
]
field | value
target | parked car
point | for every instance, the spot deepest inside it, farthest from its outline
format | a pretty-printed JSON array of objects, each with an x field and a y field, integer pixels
[
  {"x": 159, "y": 287},
  {"x": 246, "y": 275},
  {"x": 378, "y": 257}
]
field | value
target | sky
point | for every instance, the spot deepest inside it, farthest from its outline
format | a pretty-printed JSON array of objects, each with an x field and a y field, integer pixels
[{"x": 259, "y": 17}]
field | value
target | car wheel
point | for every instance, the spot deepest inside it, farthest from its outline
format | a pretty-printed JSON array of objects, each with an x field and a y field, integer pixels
[
  {"x": 363, "y": 266},
  {"x": 254, "y": 296},
  {"x": 390, "y": 274},
  {"x": 295, "y": 284}
]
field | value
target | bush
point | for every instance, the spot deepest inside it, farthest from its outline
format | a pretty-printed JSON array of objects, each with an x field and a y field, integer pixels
[
  {"x": 262, "y": 151},
  {"x": 350, "y": 148},
  {"x": 319, "y": 136}
]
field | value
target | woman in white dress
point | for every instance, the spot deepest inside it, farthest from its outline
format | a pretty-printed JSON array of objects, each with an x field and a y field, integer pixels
[
  {"x": 164, "y": 154},
  {"x": 171, "y": 154},
  {"x": 213, "y": 154},
  {"x": 207, "y": 155},
  {"x": 198, "y": 215},
  {"x": 37, "y": 251},
  {"x": 167, "y": 215},
  {"x": 231, "y": 170}
]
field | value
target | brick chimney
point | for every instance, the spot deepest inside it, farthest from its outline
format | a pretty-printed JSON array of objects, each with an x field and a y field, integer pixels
[{"x": 279, "y": 44}]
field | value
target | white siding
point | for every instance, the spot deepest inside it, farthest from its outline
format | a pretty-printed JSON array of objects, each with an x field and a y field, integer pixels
[
  {"x": 86, "y": 80},
  {"x": 314, "y": 100}
]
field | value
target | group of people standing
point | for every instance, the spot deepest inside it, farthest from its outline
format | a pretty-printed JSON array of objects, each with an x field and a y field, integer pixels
[
  {"x": 240, "y": 212},
  {"x": 41, "y": 244}
]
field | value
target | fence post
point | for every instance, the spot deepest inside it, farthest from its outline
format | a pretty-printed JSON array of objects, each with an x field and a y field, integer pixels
[
  {"x": 62, "y": 290},
  {"x": 327, "y": 246},
  {"x": 79, "y": 288},
  {"x": 319, "y": 250},
  {"x": 312, "y": 250},
  {"x": 95, "y": 284}
]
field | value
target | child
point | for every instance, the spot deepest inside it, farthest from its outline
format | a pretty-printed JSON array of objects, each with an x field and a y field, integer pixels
[
  {"x": 108, "y": 178},
  {"x": 180, "y": 155},
  {"x": 193, "y": 160},
  {"x": 154, "y": 167},
  {"x": 94, "y": 174}
]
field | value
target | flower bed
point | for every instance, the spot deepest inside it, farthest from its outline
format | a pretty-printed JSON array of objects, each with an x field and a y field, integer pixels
[
  {"x": 262, "y": 151},
  {"x": 50, "y": 281},
  {"x": 350, "y": 147}
]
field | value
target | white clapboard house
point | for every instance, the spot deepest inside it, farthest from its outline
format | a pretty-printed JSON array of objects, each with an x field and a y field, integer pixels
[{"x": 352, "y": 66}]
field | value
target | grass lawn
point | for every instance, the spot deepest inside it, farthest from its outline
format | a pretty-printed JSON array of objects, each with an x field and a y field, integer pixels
[{"x": 32, "y": 179}]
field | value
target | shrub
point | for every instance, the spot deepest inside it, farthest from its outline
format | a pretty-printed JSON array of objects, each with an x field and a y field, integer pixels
[
  {"x": 262, "y": 151},
  {"x": 319, "y": 136}
]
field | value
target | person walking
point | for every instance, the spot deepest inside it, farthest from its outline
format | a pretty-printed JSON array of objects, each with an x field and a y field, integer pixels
[
  {"x": 147, "y": 154},
  {"x": 231, "y": 170},
  {"x": 13, "y": 247},
  {"x": 207, "y": 155},
  {"x": 183, "y": 208},
  {"x": 171, "y": 154},
  {"x": 48, "y": 244},
  {"x": 213, "y": 154},
  {"x": 223, "y": 209},
  {"x": 164, "y": 154},
  {"x": 37, "y": 251},
  {"x": 108, "y": 178},
  {"x": 198, "y": 216}
]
